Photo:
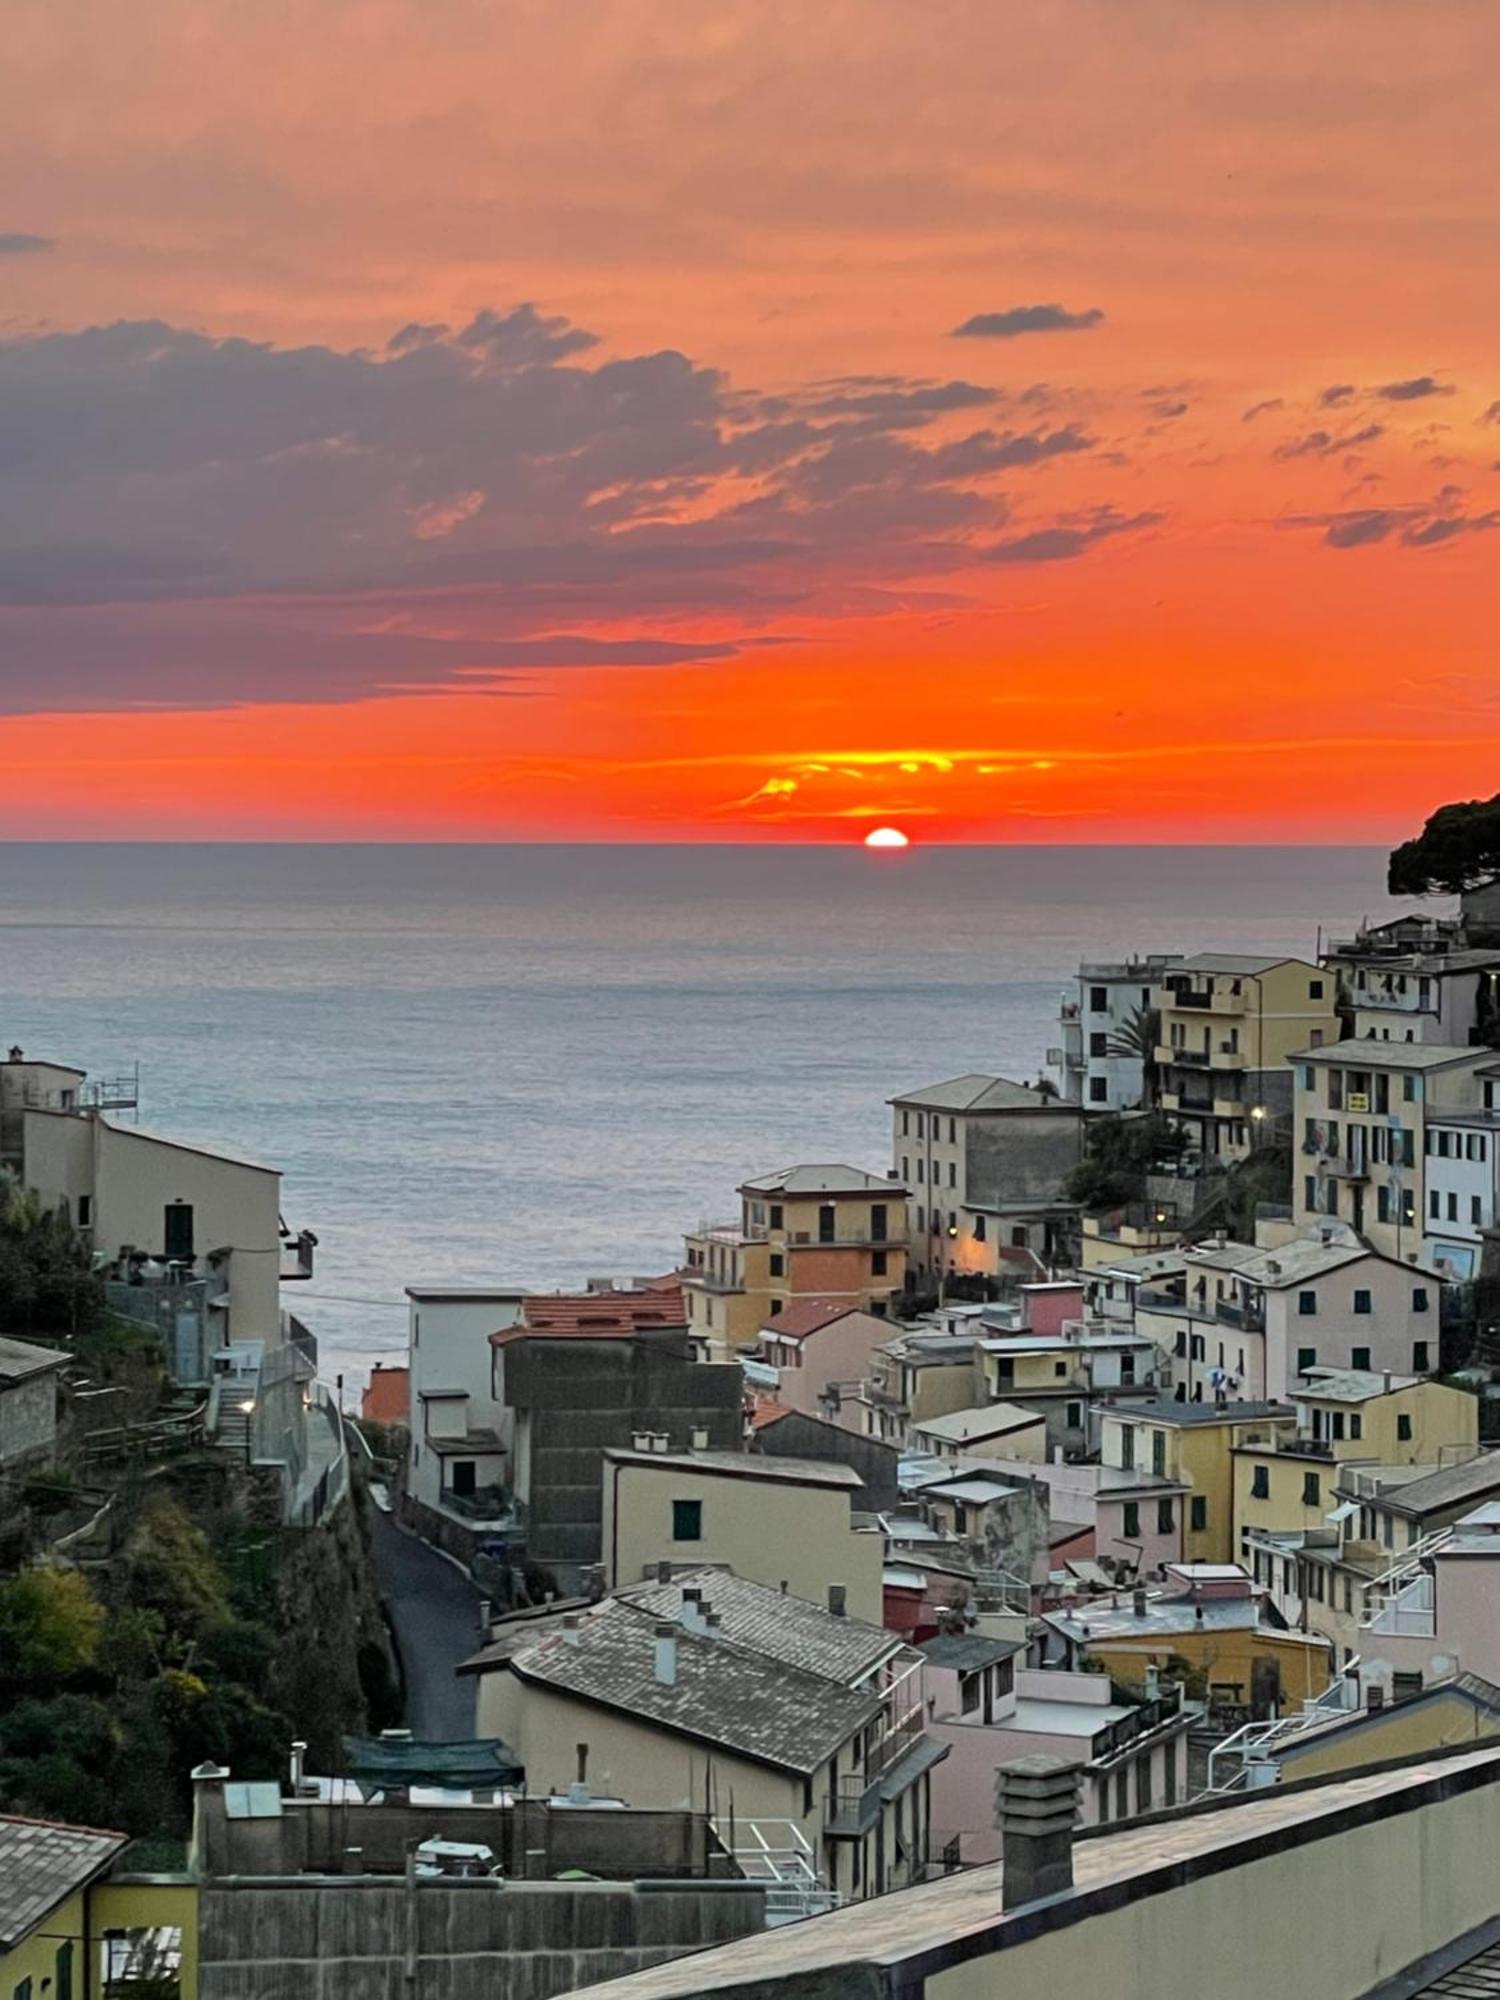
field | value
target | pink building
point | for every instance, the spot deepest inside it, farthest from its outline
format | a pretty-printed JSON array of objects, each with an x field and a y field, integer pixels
[
  {"x": 818, "y": 1341},
  {"x": 989, "y": 1711}
]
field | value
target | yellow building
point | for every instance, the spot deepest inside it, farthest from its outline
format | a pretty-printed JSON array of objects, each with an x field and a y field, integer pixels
[
  {"x": 64, "y": 1927},
  {"x": 1195, "y": 1444},
  {"x": 820, "y": 1232},
  {"x": 784, "y": 1522},
  {"x": 1229, "y": 1023},
  {"x": 1211, "y": 1621}
]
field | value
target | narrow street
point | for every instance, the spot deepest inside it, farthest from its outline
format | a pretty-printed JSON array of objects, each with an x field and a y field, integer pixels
[{"x": 434, "y": 1613}]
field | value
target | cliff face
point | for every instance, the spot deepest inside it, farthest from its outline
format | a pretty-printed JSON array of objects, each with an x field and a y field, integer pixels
[{"x": 333, "y": 1672}]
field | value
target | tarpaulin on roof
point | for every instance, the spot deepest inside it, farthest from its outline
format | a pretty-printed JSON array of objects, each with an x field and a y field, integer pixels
[{"x": 479, "y": 1764}]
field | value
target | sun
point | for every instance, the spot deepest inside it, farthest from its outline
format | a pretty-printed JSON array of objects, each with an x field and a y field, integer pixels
[{"x": 886, "y": 836}]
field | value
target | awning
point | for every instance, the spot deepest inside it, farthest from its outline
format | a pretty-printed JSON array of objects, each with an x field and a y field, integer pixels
[
  {"x": 1343, "y": 1512},
  {"x": 474, "y": 1765}
]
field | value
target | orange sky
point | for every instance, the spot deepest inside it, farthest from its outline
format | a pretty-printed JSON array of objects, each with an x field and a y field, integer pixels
[{"x": 728, "y": 535}]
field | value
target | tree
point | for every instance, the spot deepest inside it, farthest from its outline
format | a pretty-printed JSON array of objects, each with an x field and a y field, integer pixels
[
  {"x": 1120, "y": 1153},
  {"x": 47, "y": 1281},
  {"x": 50, "y": 1626},
  {"x": 1137, "y": 1037},
  {"x": 1458, "y": 849}
]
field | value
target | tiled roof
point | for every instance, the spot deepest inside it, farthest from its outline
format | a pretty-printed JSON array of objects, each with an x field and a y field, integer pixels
[
  {"x": 596, "y": 1315},
  {"x": 724, "y": 1692},
  {"x": 1163, "y": 1410},
  {"x": 807, "y": 1316},
  {"x": 967, "y": 1650},
  {"x": 41, "y": 1865},
  {"x": 782, "y": 1627},
  {"x": 979, "y": 1092},
  {"x": 822, "y": 1180},
  {"x": 19, "y": 1358},
  {"x": 1450, "y": 1484},
  {"x": 1365, "y": 1054},
  {"x": 1231, "y": 962},
  {"x": 742, "y": 1465}
]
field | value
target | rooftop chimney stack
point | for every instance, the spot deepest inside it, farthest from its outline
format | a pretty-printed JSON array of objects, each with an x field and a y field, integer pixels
[
  {"x": 296, "y": 1765},
  {"x": 570, "y": 1625},
  {"x": 1138, "y": 1600},
  {"x": 663, "y": 1571},
  {"x": 666, "y": 1655},
  {"x": 1036, "y": 1801},
  {"x": 838, "y": 1598}
]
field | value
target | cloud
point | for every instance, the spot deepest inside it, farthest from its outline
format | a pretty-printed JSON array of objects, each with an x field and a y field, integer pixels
[
  {"x": 1491, "y": 415},
  {"x": 1016, "y": 320},
  {"x": 1067, "y": 540},
  {"x": 1328, "y": 444},
  {"x": 1412, "y": 390},
  {"x": 1416, "y": 527},
  {"x": 1262, "y": 409},
  {"x": 1336, "y": 393},
  {"x": 21, "y": 243}
]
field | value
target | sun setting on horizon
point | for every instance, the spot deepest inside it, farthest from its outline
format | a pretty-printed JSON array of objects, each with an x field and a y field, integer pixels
[{"x": 886, "y": 836}]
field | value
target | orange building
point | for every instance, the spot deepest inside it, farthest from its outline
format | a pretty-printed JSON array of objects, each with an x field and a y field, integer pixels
[{"x": 387, "y": 1397}]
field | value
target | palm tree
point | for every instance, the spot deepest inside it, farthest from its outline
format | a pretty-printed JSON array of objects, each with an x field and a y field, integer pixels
[{"x": 1136, "y": 1038}]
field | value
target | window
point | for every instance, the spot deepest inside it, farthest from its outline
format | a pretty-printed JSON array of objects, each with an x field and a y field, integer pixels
[
  {"x": 980, "y": 1229},
  {"x": 1403, "y": 1428},
  {"x": 776, "y": 1218},
  {"x": 1312, "y": 1490},
  {"x": 1260, "y": 1483},
  {"x": 969, "y": 1692},
  {"x": 1314, "y": 989},
  {"x": 177, "y": 1232},
  {"x": 878, "y": 1262},
  {"x": 1130, "y": 1525},
  {"x": 1098, "y": 1090},
  {"x": 687, "y": 1520},
  {"x": 1435, "y": 1205},
  {"x": 1198, "y": 1514},
  {"x": 879, "y": 1218},
  {"x": 1075, "y": 1416},
  {"x": 1143, "y": 1783},
  {"x": 85, "y": 1211},
  {"x": 952, "y": 1131},
  {"x": 1098, "y": 1000},
  {"x": 1476, "y": 1209},
  {"x": 1338, "y": 1425},
  {"x": 906, "y": 1124},
  {"x": 463, "y": 1476},
  {"x": 1098, "y": 1044},
  {"x": 1421, "y": 1363},
  {"x": 1018, "y": 1238},
  {"x": 1127, "y": 1448},
  {"x": 1382, "y": 1203},
  {"x": 776, "y": 1264},
  {"x": 1159, "y": 1453},
  {"x": 1362, "y": 1302},
  {"x": 953, "y": 1173},
  {"x": 1453, "y": 1208},
  {"x": 23, "y": 1990},
  {"x": 1307, "y": 1304},
  {"x": 1060, "y": 1369},
  {"x": 63, "y": 1986},
  {"x": 828, "y": 1219},
  {"x": 1419, "y": 1299},
  {"x": 776, "y": 1305},
  {"x": 1165, "y": 1524},
  {"x": 1356, "y": 1425},
  {"x": 1307, "y": 1358},
  {"x": 1359, "y": 1357}
]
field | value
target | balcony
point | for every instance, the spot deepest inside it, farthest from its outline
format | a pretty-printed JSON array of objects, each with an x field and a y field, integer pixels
[{"x": 1339, "y": 1168}]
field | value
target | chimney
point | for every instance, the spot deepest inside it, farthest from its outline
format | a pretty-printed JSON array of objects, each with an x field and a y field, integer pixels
[
  {"x": 640, "y": 1440},
  {"x": 1197, "y": 1614},
  {"x": 1387, "y": 1381},
  {"x": 1036, "y": 1801},
  {"x": 663, "y": 1571},
  {"x": 838, "y": 1598},
  {"x": 295, "y": 1766},
  {"x": 700, "y": 1437},
  {"x": 1374, "y": 1697},
  {"x": 578, "y": 1791},
  {"x": 354, "y": 1861},
  {"x": 660, "y": 1441},
  {"x": 666, "y": 1655},
  {"x": 693, "y": 1617},
  {"x": 1138, "y": 1600},
  {"x": 571, "y": 1623}
]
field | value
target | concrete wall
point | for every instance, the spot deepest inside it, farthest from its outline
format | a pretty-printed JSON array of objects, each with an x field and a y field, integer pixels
[
  {"x": 28, "y": 1421},
  {"x": 838, "y": 1352},
  {"x": 793, "y": 1535},
  {"x": 316, "y": 1939},
  {"x": 1023, "y": 1156},
  {"x": 799, "y": 1436}
]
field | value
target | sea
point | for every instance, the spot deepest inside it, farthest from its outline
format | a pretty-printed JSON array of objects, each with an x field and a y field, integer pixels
[{"x": 539, "y": 1064}]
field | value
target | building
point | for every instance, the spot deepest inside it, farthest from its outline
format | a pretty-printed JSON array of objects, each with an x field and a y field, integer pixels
[
  {"x": 830, "y": 1233},
  {"x": 783, "y": 1522},
  {"x": 190, "y": 1240},
  {"x": 1215, "y": 1621},
  {"x": 990, "y": 1430},
  {"x": 578, "y": 1386},
  {"x": 48, "y": 1930},
  {"x": 29, "y": 1383},
  {"x": 996, "y": 1525},
  {"x": 1361, "y": 1117},
  {"x": 792, "y": 1717},
  {"x": 1313, "y": 1888},
  {"x": 1061, "y": 1375},
  {"x": 781, "y": 1433},
  {"x": 1398, "y": 1507},
  {"x": 815, "y": 1343},
  {"x": 387, "y": 1396},
  {"x": 1229, "y": 1022},
  {"x": 1192, "y": 1445},
  {"x": 1105, "y": 1021},
  {"x": 919, "y": 1374},
  {"x": 986, "y": 1162},
  {"x": 1462, "y": 1175},
  {"x": 1131, "y": 1752},
  {"x": 1418, "y": 981},
  {"x": 1240, "y": 1321},
  {"x": 460, "y": 1431}
]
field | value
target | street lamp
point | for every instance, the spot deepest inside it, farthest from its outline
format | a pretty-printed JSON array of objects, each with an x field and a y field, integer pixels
[{"x": 248, "y": 1406}]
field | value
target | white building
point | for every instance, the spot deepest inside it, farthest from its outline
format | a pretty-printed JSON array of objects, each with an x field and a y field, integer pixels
[
  {"x": 1462, "y": 1173},
  {"x": 1095, "y": 1064},
  {"x": 460, "y": 1430}
]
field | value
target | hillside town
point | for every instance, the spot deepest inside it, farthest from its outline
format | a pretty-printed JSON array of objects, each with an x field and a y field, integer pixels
[{"x": 1071, "y": 1535}]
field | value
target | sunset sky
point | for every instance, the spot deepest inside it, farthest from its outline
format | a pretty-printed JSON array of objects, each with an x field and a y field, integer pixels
[{"x": 747, "y": 419}]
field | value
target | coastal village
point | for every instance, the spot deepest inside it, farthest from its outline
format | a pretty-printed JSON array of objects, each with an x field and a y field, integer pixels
[{"x": 1062, "y": 1555}]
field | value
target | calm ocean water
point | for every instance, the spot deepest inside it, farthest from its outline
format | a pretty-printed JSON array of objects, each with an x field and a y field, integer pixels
[{"x": 534, "y": 1064}]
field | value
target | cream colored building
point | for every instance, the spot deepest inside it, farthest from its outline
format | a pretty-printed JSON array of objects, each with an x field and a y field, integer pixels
[
  {"x": 782, "y": 1715},
  {"x": 156, "y": 1210},
  {"x": 782, "y": 1522},
  {"x": 1229, "y": 1024},
  {"x": 832, "y": 1233},
  {"x": 1361, "y": 1141}
]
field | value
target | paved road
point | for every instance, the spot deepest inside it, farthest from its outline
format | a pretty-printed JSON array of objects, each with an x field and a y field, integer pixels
[{"x": 434, "y": 1612}]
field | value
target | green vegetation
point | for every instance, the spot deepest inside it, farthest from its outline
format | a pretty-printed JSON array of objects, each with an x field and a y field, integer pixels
[
  {"x": 1458, "y": 849},
  {"x": 1119, "y": 1153},
  {"x": 48, "y": 1287}
]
